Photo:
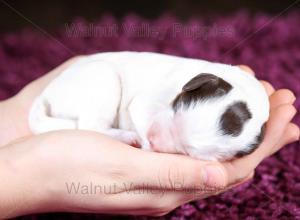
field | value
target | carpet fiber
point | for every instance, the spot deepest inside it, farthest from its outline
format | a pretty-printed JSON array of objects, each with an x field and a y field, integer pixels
[{"x": 270, "y": 46}]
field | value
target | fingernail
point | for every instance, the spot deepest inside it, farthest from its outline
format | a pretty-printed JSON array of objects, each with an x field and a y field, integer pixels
[{"x": 214, "y": 176}]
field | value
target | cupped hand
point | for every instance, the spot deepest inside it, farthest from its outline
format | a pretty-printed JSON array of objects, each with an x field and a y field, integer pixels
[{"x": 109, "y": 176}]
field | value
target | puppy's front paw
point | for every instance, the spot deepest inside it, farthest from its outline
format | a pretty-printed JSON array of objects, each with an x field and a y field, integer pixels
[{"x": 130, "y": 138}]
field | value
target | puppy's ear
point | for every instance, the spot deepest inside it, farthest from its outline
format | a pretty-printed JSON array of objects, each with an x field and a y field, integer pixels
[
  {"x": 202, "y": 87},
  {"x": 202, "y": 79},
  {"x": 207, "y": 85}
]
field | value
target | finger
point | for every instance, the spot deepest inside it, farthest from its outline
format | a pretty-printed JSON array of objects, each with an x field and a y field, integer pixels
[
  {"x": 281, "y": 96},
  {"x": 268, "y": 87},
  {"x": 246, "y": 179},
  {"x": 154, "y": 202},
  {"x": 275, "y": 127},
  {"x": 246, "y": 69},
  {"x": 169, "y": 171},
  {"x": 144, "y": 201},
  {"x": 291, "y": 134},
  {"x": 151, "y": 201}
]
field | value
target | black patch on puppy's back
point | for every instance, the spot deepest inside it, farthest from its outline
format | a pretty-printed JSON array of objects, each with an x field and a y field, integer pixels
[
  {"x": 254, "y": 145},
  {"x": 233, "y": 119},
  {"x": 203, "y": 86}
]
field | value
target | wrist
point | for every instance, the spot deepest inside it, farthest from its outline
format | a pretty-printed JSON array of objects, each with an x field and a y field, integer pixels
[
  {"x": 22, "y": 191},
  {"x": 12, "y": 121}
]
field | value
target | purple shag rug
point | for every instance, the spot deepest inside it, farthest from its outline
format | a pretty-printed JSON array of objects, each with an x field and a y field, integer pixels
[{"x": 273, "y": 52}]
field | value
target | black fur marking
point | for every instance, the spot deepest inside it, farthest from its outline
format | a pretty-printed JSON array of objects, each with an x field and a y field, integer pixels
[
  {"x": 233, "y": 119},
  {"x": 203, "y": 86},
  {"x": 258, "y": 139}
]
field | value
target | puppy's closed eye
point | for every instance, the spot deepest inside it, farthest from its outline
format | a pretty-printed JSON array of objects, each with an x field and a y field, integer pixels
[{"x": 233, "y": 119}]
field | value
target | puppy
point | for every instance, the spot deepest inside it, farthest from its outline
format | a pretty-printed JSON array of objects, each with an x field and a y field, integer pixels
[{"x": 162, "y": 103}]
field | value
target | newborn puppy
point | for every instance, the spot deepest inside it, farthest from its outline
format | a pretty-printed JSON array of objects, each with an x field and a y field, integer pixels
[{"x": 162, "y": 103}]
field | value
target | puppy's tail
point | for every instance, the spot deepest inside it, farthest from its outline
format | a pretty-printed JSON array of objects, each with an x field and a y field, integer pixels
[{"x": 41, "y": 121}]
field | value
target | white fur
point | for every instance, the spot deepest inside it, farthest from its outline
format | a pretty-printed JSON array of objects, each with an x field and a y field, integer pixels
[{"x": 122, "y": 93}]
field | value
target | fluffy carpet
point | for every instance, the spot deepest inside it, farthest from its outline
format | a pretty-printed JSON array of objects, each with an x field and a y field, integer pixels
[{"x": 270, "y": 46}]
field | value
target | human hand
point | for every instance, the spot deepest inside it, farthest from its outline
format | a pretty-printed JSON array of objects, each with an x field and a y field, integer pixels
[
  {"x": 185, "y": 172},
  {"x": 131, "y": 181}
]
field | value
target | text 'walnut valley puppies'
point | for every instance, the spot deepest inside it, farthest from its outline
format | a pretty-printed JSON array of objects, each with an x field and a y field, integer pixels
[{"x": 163, "y": 103}]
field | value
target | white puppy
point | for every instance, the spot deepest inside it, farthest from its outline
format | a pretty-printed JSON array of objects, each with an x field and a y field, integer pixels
[{"x": 163, "y": 103}]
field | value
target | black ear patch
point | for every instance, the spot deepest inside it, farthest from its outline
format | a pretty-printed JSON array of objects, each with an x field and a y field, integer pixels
[
  {"x": 234, "y": 118},
  {"x": 254, "y": 145},
  {"x": 202, "y": 86}
]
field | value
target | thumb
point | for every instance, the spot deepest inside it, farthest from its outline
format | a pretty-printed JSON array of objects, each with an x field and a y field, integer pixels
[
  {"x": 216, "y": 176},
  {"x": 223, "y": 175}
]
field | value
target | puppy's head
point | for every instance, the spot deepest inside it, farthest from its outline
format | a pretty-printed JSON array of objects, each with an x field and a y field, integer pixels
[{"x": 210, "y": 119}]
